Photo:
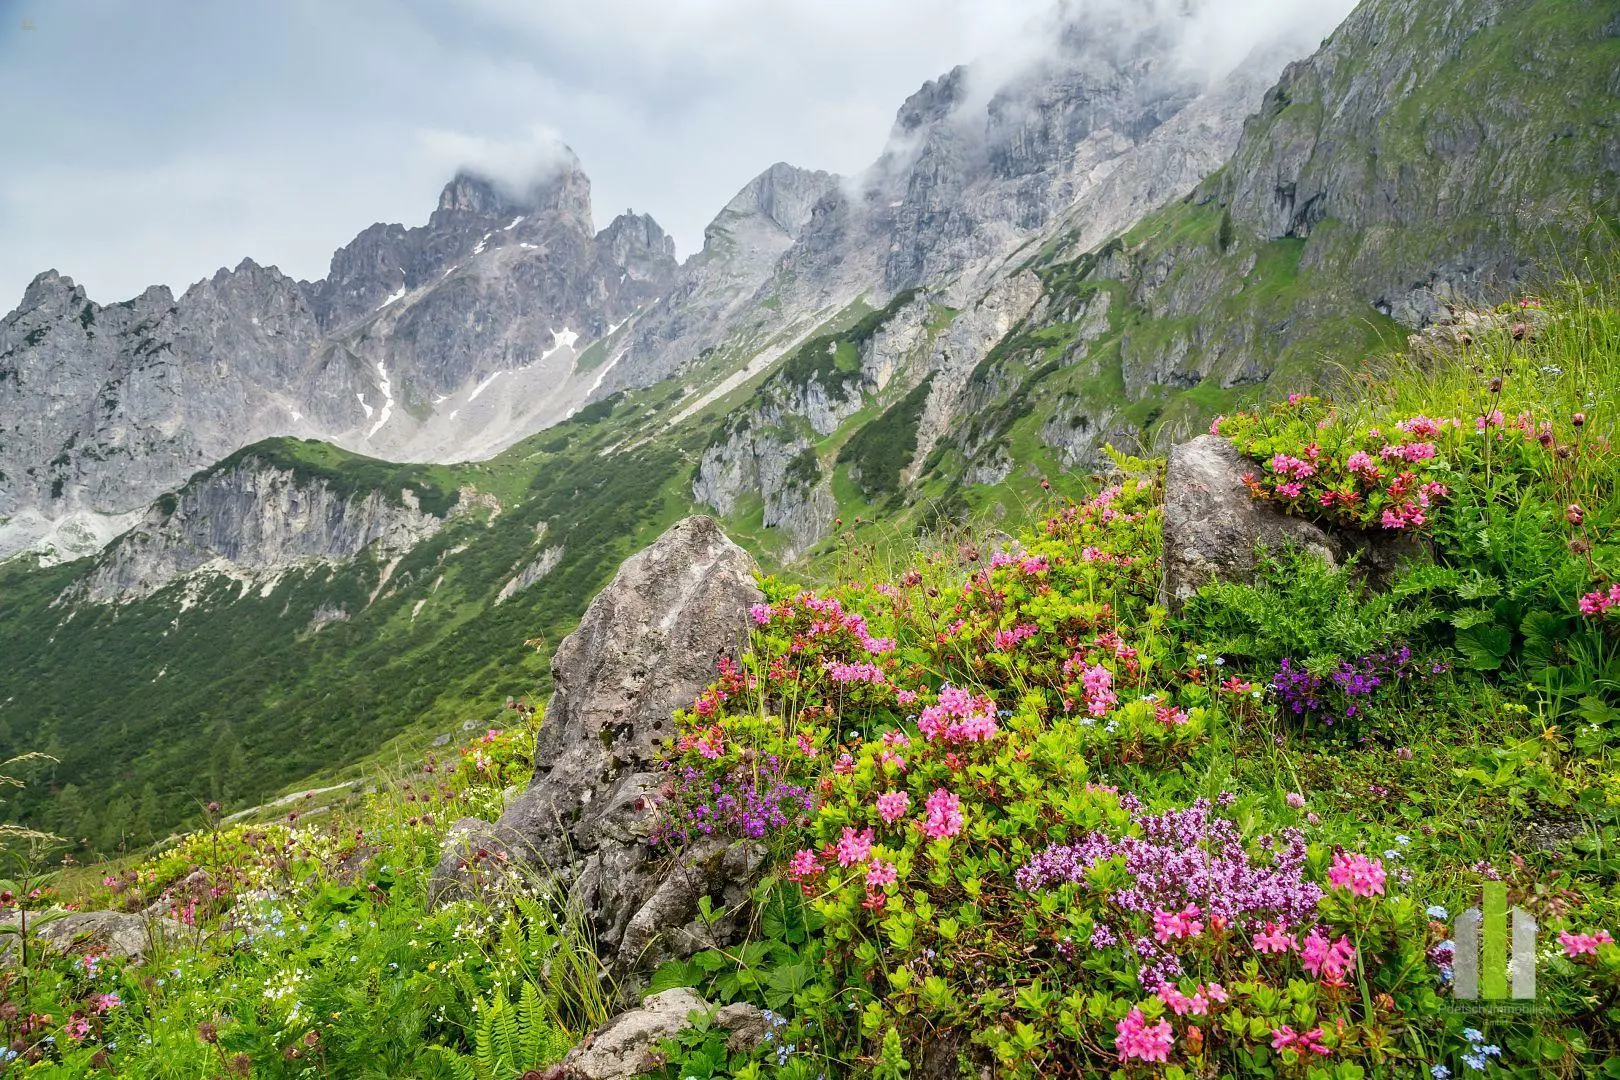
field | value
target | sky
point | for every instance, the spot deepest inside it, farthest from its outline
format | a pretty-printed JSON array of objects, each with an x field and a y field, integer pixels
[{"x": 153, "y": 142}]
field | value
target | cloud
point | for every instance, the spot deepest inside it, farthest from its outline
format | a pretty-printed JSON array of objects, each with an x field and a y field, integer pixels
[
  {"x": 512, "y": 163},
  {"x": 153, "y": 143}
]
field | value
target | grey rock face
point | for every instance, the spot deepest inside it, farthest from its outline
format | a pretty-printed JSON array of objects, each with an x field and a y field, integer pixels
[
  {"x": 716, "y": 292},
  {"x": 646, "y": 646},
  {"x": 1489, "y": 199},
  {"x": 113, "y": 933},
  {"x": 441, "y": 342},
  {"x": 252, "y": 520},
  {"x": 386, "y": 258},
  {"x": 103, "y": 408},
  {"x": 543, "y": 564}
]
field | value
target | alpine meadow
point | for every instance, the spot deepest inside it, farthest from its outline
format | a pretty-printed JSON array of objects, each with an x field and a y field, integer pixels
[{"x": 1127, "y": 583}]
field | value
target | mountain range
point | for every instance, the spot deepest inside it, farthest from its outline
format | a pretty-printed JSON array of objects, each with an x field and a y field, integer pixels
[{"x": 271, "y": 527}]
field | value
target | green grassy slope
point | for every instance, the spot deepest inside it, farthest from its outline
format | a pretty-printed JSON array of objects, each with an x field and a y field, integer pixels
[{"x": 153, "y": 710}]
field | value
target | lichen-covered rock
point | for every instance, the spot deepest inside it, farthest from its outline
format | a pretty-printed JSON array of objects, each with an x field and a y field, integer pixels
[
  {"x": 626, "y": 1046},
  {"x": 646, "y": 646}
]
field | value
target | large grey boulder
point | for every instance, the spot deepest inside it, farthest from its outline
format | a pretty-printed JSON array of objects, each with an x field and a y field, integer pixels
[
  {"x": 1213, "y": 526},
  {"x": 647, "y": 645}
]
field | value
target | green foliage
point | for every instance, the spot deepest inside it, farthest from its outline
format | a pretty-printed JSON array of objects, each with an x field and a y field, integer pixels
[
  {"x": 1301, "y": 607},
  {"x": 1486, "y": 442},
  {"x": 209, "y": 692},
  {"x": 899, "y": 921},
  {"x": 833, "y": 359},
  {"x": 310, "y": 949},
  {"x": 510, "y": 1039},
  {"x": 881, "y": 449}
]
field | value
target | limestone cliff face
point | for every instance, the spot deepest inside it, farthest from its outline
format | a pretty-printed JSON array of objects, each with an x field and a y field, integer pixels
[
  {"x": 769, "y": 451},
  {"x": 1426, "y": 202},
  {"x": 1111, "y": 123},
  {"x": 724, "y": 291},
  {"x": 441, "y": 342},
  {"x": 102, "y": 408},
  {"x": 252, "y": 521},
  {"x": 1390, "y": 174}
]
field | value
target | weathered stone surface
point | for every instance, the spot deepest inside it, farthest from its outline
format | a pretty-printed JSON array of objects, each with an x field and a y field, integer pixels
[
  {"x": 1213, "y": 526},
  {"x": 625, "y": 1046},
  {"x": 115, "y": 933},
  {"x": 251, "y": 520},
  {"x": 646, "y": 646}
]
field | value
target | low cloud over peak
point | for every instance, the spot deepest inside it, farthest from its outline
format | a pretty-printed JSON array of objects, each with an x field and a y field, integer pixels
[{"x": 178, "y": 138}]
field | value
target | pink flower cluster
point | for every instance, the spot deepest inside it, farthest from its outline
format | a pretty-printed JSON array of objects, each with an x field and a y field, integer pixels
[
  {"x": 1173, "y": 925},
  {"x": 1418, "y": 451},
  {"x": 958, "y": 717},
  {"x": 1169, "y": 715},
  {"x": 1091, "y": 554},
  {"x": 854, "y": 847},
  {"x": 1411, "y": 512},
  {"x": 1297, "y": 468},
  {"x": 879, "y": 874},
  {"x": 944, "y": 815},
  {"x": 803, "y": 865},
  {"x": 1425, "y": 427},
  {"x": 1583, "y": 944},
  {"x": 1096, "y": 681},
  {"x": 1196, "y": 1003},
  {"x": 709, "y": 741},
  {"x": 892, "y": 806},
  {"x": 1306, "y": 1042},
  {"x": 1361, "y": 875},
  {"x": 1274, "y": 938},
  {"x": 832, "y": 618},
  {"x": 863, "y": 672},
  {"x": 1330, "y": 960},
  {"x": 1361, "y": 464},
  {"x": 1141, "y": 1040},
  {"x": 1007, "y": 639},
  {"x": 1598, "y": 602}
]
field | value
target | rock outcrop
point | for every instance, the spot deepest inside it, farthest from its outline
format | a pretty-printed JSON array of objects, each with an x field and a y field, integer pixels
[
  {"x": 646, "y": 646},
  {"x": 251, "y": 519},
  {"x": 1213, "y": 526}
]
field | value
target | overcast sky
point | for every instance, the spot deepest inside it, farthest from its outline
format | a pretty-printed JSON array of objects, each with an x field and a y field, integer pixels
[{"x": 155, "y": 141}]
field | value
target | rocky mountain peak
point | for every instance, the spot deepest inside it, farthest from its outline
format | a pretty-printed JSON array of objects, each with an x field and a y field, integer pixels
[
  {"x": 935, "y": 101},
  {"x": 632, "y": 233},
  {"x": 563, "y": 190},
  {"x": 784, "y": 195},
  {"x": 468, "y": 193},
  {"x": 51, "y": 288}
]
